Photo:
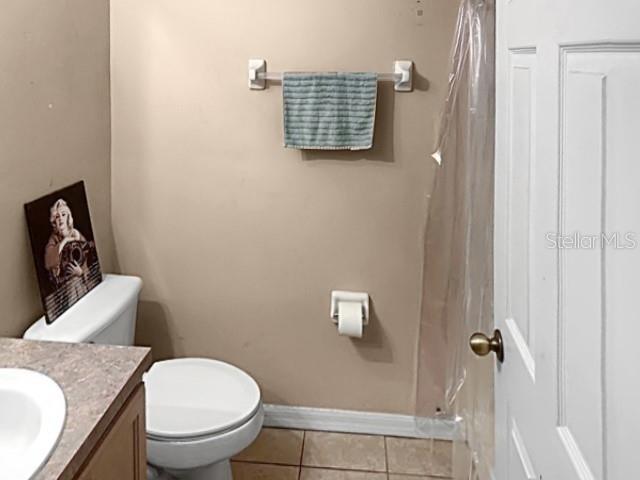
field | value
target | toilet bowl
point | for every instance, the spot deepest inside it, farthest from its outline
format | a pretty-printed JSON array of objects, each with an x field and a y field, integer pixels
[
  {"x": 191, "y": 459},
  {"x": 199, "y": 412}
]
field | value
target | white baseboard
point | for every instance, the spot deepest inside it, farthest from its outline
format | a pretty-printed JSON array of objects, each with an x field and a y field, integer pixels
[{"x": 351, "y": 421}]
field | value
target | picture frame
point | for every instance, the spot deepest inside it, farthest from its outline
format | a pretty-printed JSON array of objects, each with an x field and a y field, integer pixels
[{"x": 63, "y": 246}]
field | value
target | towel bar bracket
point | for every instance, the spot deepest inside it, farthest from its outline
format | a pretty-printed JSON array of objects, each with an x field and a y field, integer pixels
[
  {"x": 404, "y": 70},
  {"x": 402, "y": 75},
  {"x": 257, "y": 74}
]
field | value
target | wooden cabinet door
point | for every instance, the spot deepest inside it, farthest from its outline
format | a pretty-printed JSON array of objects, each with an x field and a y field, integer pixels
[{"x": 121, "y": 453}]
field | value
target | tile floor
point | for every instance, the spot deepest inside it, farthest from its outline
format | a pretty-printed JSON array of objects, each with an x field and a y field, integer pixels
[{"x": 281, "y": 454}]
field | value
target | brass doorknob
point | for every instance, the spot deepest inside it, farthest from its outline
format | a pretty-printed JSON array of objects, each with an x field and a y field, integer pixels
[{"x": 483, "y": 345}]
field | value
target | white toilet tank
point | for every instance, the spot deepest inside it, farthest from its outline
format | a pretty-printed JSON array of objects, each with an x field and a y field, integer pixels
[{"x": 107, "y": 315}]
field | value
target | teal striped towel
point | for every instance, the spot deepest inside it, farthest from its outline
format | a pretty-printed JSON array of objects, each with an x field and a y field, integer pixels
[{"x": 329, "y": 111}]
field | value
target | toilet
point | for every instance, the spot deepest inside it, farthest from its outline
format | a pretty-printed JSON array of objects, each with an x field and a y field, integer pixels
[{"x": 199, "y": 412}]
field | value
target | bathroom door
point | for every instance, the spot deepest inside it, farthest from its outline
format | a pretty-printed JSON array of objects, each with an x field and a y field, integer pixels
[{"x": 567, "y": 227}]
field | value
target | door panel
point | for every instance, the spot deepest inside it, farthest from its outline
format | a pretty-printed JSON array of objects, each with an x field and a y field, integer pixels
[
  {"x": 622, "y": 361},
  {"x": 514, "y": 240},
  {"x": 580, "y": 351},
  {"x": 567, "y": 227},
  {"x": 121, "y": 453},
  {"x": 521, "y": 121},
  {"x": 520, "y": 466},
  {"x": 599, "y": 193}
]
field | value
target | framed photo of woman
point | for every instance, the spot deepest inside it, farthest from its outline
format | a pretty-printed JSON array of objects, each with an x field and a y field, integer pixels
[{"x": 64, "y": 249}]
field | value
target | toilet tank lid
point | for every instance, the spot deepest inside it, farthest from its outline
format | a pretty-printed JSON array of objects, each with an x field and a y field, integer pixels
[{"x": 91, "y": 314}]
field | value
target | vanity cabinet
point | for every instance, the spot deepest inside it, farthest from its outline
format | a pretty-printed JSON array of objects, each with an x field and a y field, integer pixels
[{"x": 121, "y": 453}]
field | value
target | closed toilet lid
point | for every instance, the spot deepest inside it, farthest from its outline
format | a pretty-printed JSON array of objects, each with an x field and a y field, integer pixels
[{"x": 191, "y": 397}]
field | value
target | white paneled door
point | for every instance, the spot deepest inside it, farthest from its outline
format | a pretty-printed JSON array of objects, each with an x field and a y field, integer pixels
[{"x": 567, "y": 239}]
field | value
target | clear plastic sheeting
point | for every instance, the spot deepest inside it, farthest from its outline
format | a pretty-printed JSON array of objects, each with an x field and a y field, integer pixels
[{"x": 458, "y": 269}]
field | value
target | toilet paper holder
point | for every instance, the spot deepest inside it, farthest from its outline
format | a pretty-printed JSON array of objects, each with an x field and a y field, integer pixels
[{"x": 338, "y": 296}]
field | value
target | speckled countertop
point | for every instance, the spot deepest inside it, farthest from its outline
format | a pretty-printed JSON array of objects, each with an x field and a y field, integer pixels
[{"x": 96, "y": 380}]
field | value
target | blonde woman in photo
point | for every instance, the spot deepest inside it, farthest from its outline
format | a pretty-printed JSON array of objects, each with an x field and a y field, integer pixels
[{"x": 63, "y": 268}]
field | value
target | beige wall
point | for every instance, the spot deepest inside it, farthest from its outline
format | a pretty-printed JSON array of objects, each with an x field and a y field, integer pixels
[
  {"x": 239, "y": 240},
  {"x": 54, "y": 130}
]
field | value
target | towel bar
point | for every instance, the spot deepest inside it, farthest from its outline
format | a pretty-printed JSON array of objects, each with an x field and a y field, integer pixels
[{"x": 402, "y": 75}]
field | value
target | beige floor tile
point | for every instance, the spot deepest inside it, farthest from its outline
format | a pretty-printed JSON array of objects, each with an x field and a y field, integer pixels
[
  {"x": 346, "y": 451},
  {"x": 419, "y": 457},
  {"x": 261, "y": 471},
  {"x": 325, "y": 474},
  {"x": 274, "y": 445}
]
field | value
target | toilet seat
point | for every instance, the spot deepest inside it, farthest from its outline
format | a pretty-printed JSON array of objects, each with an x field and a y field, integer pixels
[{"x": 192, "y": 398}]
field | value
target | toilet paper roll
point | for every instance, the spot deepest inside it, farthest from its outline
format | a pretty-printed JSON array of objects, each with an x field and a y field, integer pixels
[{"x": 350, "y": 319}]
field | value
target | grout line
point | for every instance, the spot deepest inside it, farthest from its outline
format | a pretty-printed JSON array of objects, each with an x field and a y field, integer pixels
[
  {"x": 386, "y": 456},
  {"x": 420, "y": 476},
  {"x": 304, "y": 437},
  {"x": 256, "y": 462},
  {"x": 344, "y": 469},
  {"x": 340, "y": 469}
]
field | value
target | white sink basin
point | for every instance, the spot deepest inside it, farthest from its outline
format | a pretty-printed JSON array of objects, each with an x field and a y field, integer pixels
[{"x": 32, "y": 413}]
